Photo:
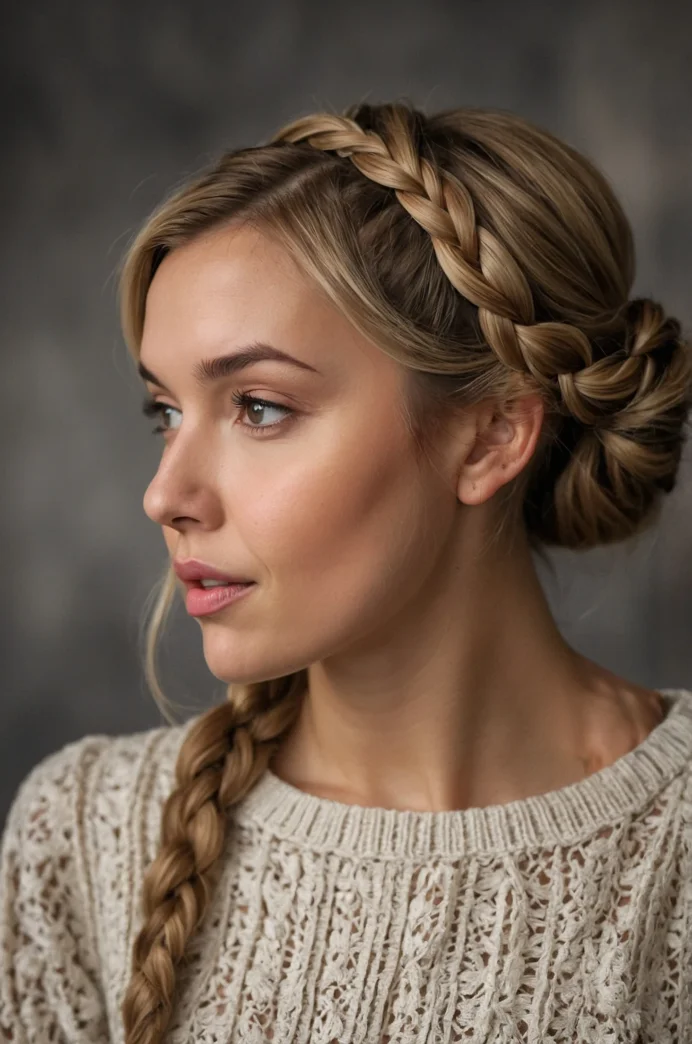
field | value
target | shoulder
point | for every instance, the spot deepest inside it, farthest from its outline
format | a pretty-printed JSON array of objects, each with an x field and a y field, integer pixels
[
  {"x": 97, "y": 774},
  {"x": 96, "y": 798},
  {"x": 666, "y": 757},
  {"x": 82, "y": 825}
]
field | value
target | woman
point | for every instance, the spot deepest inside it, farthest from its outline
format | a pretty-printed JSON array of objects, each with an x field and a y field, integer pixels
[{"x": 391, "y": 356}]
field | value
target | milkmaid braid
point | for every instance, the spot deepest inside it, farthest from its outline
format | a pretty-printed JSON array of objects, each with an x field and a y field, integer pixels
[
  {"x": 514, "y": 273},
  {"x": 629, "y": 404}
]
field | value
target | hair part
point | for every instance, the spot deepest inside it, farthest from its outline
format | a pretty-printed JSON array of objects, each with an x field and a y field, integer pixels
[{"x": 491, "y": 260}]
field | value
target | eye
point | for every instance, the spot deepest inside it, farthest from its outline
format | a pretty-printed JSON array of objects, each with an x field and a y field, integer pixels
[
  {"x": 248, "y": 404},
  {"x": 157, "y": 409}
]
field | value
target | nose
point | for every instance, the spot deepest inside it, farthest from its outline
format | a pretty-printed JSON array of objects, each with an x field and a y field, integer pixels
[{"x": 182, "y": 491}]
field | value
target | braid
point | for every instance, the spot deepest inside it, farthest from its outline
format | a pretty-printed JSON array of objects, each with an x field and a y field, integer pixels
[
  {"x": 474, "y": 260},
  {"x": 223, "y": 755},
  {"x": 630, "y": 407},
  {"x": 608, "y": 475},
  {"x": 476, "y": 263}
]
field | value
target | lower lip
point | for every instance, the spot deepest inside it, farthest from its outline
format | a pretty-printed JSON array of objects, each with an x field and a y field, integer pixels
[{"x": 201, "y": 601}]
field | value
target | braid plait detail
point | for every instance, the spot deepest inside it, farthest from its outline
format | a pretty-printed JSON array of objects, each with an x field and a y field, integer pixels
[
  {"x": 634, "y": 403},
  {"x": 223, "y": 755},
  {"x": 474, "y": 260},
  {"x": 644, "y": 391}
]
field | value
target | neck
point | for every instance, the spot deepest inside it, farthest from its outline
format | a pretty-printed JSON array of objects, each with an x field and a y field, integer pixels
[{"x": 468, "y": 696}]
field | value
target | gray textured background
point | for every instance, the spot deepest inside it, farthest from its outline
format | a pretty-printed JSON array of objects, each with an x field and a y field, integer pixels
[{"x": 106, "y": 106}]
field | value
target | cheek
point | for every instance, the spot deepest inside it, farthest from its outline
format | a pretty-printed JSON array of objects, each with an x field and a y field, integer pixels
[{"x": 342, "y": 541}]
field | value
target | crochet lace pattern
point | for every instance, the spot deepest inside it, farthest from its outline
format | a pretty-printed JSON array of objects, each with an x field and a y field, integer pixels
[{"x": 565, "y": 916}]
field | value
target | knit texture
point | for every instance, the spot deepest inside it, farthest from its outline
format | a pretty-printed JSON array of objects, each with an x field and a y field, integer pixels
[{"x": 560, "y": 917}]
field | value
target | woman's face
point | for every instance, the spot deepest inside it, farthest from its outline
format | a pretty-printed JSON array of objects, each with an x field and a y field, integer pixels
[{"x": 320, "y": 498}]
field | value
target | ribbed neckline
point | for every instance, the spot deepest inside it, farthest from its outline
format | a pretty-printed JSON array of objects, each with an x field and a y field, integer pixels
[{"x": 556, "y": 817}]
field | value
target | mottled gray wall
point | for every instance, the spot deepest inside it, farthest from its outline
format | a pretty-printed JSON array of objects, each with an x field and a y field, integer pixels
[{"x": 106, "y": 106}]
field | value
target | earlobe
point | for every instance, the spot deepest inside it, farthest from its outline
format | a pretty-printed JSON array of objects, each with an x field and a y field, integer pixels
[{"x": 473, "y": 491}]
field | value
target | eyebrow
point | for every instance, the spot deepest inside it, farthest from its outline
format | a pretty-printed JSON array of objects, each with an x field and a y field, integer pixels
[{"x": 210, "y": 370}]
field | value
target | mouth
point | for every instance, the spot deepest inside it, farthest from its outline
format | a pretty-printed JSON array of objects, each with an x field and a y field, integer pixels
[
  {"x": 200, "y": 585},
  {"x": 205, "y": 601},
  {"x": 193, "y": 573}
]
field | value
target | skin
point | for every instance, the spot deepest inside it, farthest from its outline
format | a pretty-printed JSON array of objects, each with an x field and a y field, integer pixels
[{"x": 437, "y": 676}]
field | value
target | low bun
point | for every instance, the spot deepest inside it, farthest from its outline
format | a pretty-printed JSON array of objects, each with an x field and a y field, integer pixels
[{"x": 619, "y": 443}]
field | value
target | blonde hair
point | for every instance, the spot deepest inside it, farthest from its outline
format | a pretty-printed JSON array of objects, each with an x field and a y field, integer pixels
[{"x": 490, "y": 260}]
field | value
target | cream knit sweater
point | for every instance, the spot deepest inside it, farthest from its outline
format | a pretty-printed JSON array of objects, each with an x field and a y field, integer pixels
[{"x": 561, "y": 917}]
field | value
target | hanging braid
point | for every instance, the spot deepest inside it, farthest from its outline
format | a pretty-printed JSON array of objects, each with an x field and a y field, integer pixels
[
  {"x": 515, "y": 272},
  {"x": 224, "y": 754}
]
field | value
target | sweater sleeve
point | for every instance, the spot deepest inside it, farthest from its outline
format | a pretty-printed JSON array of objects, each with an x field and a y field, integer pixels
[{"x": 50, "y": 982}]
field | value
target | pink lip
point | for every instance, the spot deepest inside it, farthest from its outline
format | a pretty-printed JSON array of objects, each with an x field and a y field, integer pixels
[{"x": 200, "y": 601}]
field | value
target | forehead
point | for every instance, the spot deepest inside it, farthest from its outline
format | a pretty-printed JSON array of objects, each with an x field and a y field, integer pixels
[
  {"x": 236, "y": 285},
  {"x": 229, "y": 274}
]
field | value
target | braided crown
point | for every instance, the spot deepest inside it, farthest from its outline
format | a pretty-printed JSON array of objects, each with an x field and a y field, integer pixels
[{"x": 611, "y": 395}]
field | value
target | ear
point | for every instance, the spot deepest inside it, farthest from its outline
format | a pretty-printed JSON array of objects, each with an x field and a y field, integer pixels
[{"x": 503, "y": 441}]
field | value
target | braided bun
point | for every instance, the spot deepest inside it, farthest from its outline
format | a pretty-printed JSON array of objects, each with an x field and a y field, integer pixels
[{"x": 622, "y": 440}]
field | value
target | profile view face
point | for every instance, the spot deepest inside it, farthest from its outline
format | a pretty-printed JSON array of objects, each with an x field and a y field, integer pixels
[{"x": 318, "y": 496}]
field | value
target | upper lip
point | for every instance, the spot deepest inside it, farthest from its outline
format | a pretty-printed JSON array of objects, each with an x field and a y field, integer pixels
[{"x": 192, "y": 569}]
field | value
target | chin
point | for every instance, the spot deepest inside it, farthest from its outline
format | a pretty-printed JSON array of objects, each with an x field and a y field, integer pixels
[{"x": 236, "y": 670}]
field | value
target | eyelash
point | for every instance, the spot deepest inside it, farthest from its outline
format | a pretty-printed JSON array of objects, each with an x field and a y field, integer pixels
[{"x": 151, "y": 408}]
